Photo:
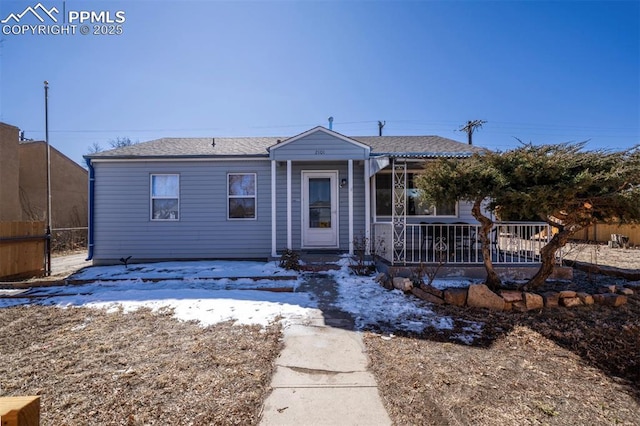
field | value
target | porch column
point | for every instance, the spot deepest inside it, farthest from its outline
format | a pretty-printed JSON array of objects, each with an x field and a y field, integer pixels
[
  {"x": 399, "y": 211},
  {"x": 367, "y": 208},
  {"x": 289, "y": 206},
  {"x": 350, "y": 184},
  {"x": 274, "y": 251}
]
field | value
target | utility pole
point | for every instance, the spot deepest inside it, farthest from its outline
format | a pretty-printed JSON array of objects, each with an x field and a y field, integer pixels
[
  {"x": 381, "y": 124},
  {"x": 470, "y": 127}
]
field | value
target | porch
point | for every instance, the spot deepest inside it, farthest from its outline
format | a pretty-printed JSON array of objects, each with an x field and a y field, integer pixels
[{"x": 512, "y": 243}]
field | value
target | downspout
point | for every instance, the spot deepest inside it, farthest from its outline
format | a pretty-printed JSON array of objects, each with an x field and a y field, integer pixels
[{"x": 92, "y": 179}]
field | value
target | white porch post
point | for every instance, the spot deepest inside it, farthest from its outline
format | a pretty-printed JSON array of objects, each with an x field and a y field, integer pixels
[
  {"x": 274, "y": 251},
  {"x": 399, "y": 211},
  {"x": 367, "y": 207},
  {"x": 350, "y": 185},
  {"x": 289, "y": 207}
]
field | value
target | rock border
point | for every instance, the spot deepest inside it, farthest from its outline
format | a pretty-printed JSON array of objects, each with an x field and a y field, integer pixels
[{"x": 480, "y": 296}]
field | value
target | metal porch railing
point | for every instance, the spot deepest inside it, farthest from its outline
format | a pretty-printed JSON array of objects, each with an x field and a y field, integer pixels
[{"x": 459, "y": 243}]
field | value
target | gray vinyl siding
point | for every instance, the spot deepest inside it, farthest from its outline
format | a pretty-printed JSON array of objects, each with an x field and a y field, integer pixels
[
  {"x": 122, "y": 224},
  {"x": 296, "y": 201},
  {"x": 319, "y": 146}
]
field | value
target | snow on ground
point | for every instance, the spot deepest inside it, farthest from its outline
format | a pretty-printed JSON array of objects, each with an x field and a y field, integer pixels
[
  {"x": 374, "y": 306},
  {"x": 190, "y": 269},
  {"x": 207, "y": 292}
]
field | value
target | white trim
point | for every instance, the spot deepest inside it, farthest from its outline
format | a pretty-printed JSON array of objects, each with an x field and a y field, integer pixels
[
  {"x": 335, "y": 174},
  {"x": 274, "y": 251},
  {"x": 323, "y": 130},
  {"x": 254, "y": 196},
  {"x": 367, "y": 208},
  {"x": 289, "y": 207},
  {"x": 152, "y": 197},
  {"x": 374, "y": 200},
  {"x": 350, "y": 185}
]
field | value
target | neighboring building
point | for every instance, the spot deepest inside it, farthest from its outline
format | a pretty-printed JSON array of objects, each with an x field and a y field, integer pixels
[
  {"x": 9, "y": 174},
  {"x": 23, "y": 183},
  {"x": 201, "y": 198}
]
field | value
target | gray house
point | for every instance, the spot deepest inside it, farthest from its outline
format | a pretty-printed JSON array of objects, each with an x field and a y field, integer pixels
[{"x": 204, "y": 198}]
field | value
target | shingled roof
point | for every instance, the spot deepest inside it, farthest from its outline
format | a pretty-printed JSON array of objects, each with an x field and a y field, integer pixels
[{"x": 394, "y": 146}]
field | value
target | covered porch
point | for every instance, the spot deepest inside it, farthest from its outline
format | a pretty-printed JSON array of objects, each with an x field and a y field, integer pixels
[{"x": 409, "y": 238}]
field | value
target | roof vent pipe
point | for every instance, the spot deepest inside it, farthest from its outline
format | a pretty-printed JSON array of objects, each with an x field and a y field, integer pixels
[
  {"x": 330, "y": 123},
  {"x": 213, "y": 142}
]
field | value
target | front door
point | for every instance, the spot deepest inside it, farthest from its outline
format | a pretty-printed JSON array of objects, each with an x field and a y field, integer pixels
[{"x": 320, "y": 209}]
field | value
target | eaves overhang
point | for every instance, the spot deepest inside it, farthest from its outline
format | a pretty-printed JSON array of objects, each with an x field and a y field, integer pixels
[
  {"x": 423, "y": 154},
  {"x": 99, "y": 158}
]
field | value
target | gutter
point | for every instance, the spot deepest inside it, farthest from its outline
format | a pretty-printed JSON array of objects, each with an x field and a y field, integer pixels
[{"x": 92, "y": 182}]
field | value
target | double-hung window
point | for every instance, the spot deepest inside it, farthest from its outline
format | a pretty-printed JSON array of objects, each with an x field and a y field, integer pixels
[
  {"x": 415, "y": 205},
  {"x": 241, "y": 195},
  {"x": 165, "y": 197}
]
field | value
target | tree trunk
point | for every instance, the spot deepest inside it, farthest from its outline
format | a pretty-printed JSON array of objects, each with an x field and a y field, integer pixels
[
  {"x": 548, "y": 256},
  {"x": 493, "y": 280}
]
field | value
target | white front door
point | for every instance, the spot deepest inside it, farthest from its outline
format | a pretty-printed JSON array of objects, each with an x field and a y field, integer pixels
[{"x": 320, "y": 209}]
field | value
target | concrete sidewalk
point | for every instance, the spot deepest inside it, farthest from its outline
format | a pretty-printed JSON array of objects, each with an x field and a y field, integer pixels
[
  {"x": 69, "y": 264},
  {"x": 321, "y": 378}
]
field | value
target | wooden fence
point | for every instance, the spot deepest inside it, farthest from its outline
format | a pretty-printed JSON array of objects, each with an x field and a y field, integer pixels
[
  {"x": 22, "y": 249},
  {"x": 601, "y": 232}
]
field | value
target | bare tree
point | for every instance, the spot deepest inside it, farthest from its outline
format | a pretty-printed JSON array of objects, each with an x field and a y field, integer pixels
[
  {"x": 121, "y": 142},
  {"x": 94, "y": 148}
]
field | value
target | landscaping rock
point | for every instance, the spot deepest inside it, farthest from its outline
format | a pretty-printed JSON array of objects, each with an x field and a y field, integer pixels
[
  {"x": 432, "y": 290},
  {"x": 567, "y": 293},
  {"x": 456, "y": 296},
  {"x": 403, "y": 284},
  {"x": 610, "y": 299},
  {"x": 607, "y": 289},
  {"x": 570, "y": 302},
  {"x": 551, "y": 299},
  {"x": 625, "y": 291},
  {"x": 586, "y": 298},
  {"x": 384, "y": 280},
  {"x": 511, "y": 295},
  {"x": 533, "y": 301},
  {"x": 481, "y": 297},
  {"x": 426, "y": 296},
  {"x": 519, "y": 306}
]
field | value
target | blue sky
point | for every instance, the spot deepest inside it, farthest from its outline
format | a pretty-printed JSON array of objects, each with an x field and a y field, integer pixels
[{"x": 544, "y": 72}]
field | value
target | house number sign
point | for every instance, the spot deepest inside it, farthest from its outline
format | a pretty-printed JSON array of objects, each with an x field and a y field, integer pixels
[{"x": 320, "y": 152}]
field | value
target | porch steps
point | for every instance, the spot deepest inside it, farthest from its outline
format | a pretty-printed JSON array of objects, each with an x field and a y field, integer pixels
[{"x": 320, "y": 261}]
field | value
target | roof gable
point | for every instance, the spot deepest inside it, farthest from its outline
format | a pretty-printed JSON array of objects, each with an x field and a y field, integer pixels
[{"x": 319, "y": 144}]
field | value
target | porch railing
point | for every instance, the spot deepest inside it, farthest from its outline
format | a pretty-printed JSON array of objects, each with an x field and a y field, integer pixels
[{"x": 459, "y": 243}]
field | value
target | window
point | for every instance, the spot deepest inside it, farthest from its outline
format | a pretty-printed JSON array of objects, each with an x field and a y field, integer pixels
[
  {"x": 242, "y": 195},
  {"x": 415, "y": 206},
  {"x": 165, "y": 197}
]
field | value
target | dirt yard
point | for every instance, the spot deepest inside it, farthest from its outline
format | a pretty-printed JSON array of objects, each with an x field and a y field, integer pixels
[
  {"x": 139, "y": 368},
  {"x": 557, "y": 367}
]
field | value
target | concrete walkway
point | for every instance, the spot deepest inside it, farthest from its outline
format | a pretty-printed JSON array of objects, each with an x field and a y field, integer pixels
[
  {"x": 321, "y": 374},
  {"x": 68, "y": 264}
]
